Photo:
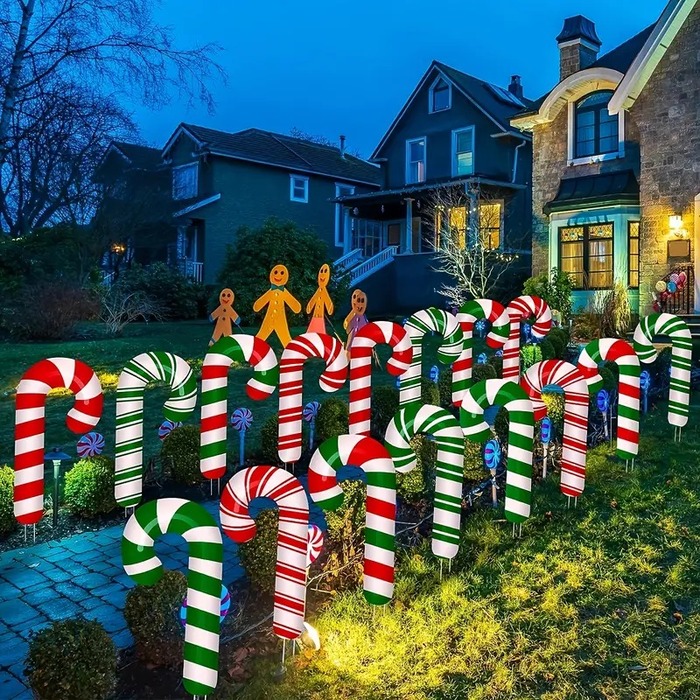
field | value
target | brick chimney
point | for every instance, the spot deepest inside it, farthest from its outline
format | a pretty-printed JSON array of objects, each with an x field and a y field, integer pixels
[
  {"x": 578, "y": 45},
  {"x": 516, "y": 87},
  {"x": 342, "y": 146}
]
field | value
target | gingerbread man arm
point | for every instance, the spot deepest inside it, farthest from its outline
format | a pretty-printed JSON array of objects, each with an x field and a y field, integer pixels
[
  {"x": 214, "y": 315},
  {"x": 328, "y": 302},
  {"x": 291, "y": 302},
  {"x": 312, "y": 302},
  {"x": 262, "y": 301},
  {"x": 348, "y": 320}
]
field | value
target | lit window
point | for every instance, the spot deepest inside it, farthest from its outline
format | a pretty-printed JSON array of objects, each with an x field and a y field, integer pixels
[
  {"x": 596, "y": 130},
  {"x": 463, "y": 151},
  {"x": 633, "y": 231},
  {"x": 440, "y": 96},
  {"x": 298, "y": 188},
  {"x": 586, "y": 254},
  {"x": 490, "y": 224},
  {"x": 185, "y": 181},
  {"x": 457, "y": 220},
  {"x": 415, "y": 161}
]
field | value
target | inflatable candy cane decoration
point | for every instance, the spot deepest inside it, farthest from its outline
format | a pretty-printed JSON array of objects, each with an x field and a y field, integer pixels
[
  {"x": 444, "y": 428},
  {"x": 519, "y": 309},
  {"x": 176, "y": 515},
  {"x": 421, "y": 323},
  {"x": 30, "y": 424},
  {"x": 292, "y": 539},
  {"x": 681, "y": 356},
  {"x": 622, "y": 354},
  {"x": 521, "y": 429},
  {"x": 294, "y": 355},
  {"x": 373, "y": 458},
  {"x": 147, "y": 367},
  {"x": 363, "y": 343},
  {"x": 217, "y": 361},
  {"x": 574, "y": 441},
  {"x": 469, "y": 314}
]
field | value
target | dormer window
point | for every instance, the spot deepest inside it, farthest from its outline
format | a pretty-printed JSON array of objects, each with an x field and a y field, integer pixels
[
  {"x": 440, "y": 95},
  {"x": 595, "y": 134},
  {"x": 185, "y": 181}
]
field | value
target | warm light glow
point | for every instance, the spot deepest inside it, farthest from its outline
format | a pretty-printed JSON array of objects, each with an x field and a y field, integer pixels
[
  {"x": 310, "y": 637},
  {"x": 675, "y": 222}
]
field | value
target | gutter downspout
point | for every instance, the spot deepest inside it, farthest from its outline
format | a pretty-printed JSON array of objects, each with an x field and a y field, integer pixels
[{"x": 515, "y": 159}]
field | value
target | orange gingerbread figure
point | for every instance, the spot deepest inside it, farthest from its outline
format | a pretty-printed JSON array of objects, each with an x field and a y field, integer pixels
[
  {"x": 224, "y": 315},
  {"x": 276, "y": 299},
  {"x": 320, "y": 303},
  {"x": 356, "y": 319}
]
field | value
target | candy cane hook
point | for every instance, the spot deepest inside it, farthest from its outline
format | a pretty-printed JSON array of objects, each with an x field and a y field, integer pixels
[{"x": 518, "y": 310}]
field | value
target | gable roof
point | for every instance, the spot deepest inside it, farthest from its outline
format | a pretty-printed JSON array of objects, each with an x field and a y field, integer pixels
[
  {"x": 278, "y": 150},
  {"x": 481, "y": 94},
  {"x": 138, "y": 156}
]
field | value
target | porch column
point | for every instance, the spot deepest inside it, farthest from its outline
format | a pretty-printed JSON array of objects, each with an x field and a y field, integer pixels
[
  {"x": 408, "y": 245},
  {"x": 347, "y": 231}
]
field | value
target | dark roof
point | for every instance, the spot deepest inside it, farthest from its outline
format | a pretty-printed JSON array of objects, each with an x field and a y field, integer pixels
[
  {"x": 579, "y": 27},
  {"x": 286, "y": 152},
  {"x": 607, "y": 188},
  {"x": 139, "y": 156}
]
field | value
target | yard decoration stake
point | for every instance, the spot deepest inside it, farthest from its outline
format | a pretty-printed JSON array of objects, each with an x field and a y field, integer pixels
[
  {"x": 141, "y": 563},
  {"x": 30, "y": 424},
  {"x": 681, "y": 357},
  {"x": 214, "y": 414},
  {"x": 521, "y": 429},
  {"x": 361, "y": 351},
  {"x": 320, "y": 303},
  {"x": 420, "y": 324},
  {"x": 277, "y": 298},
  {"x": 90, "y": 445},
  {"x": 518, "y": 310},
  {"x": 224, "y": 315},
  {"x": 292, "y": 538},
  {"x": 356, "y": 319},
  {"x": 294, "y": 356},
  {"x": 147, "y": 367},
  {"x": 624, "y": 356},
  {"x": 574, "y": 440},
  {"x": 380, "y": 528},
  {"x": 449, "y": 467},
  {"x": 471, "y": 313}
]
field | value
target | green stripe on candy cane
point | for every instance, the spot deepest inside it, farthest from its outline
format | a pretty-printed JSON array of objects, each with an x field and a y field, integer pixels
[
  {"x": 205, "y": 564},
  {"x": 521, "y": 426},
  {"x": 449, "y": 472}
]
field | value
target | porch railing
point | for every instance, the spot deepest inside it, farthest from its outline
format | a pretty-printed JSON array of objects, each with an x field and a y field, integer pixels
[
  {"x": 682, "y": 301},
  {"x": 349, "y": 259},
  {"x": 371, "y": 265},
  {"x": 194, "y": 270}
]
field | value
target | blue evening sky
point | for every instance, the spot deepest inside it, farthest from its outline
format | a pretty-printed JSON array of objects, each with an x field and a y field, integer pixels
[{"x": 330, "y": 67}]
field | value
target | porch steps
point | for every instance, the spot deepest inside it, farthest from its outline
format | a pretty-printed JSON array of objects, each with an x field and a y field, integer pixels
[
  {"x": 368, "y": 267},
  {"x": 693, "y": 321}
]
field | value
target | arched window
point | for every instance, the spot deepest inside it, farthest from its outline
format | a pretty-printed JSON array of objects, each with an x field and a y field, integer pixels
[
  {"x": 596, "y": 131},
  {"x": 440, "y": 96}
]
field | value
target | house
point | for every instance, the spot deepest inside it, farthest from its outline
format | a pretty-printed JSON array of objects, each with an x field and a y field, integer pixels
[
  {"x": 616, "y": 160},
  {"x": 453, "y": 169},
  {"x": 223, "y": 181}
]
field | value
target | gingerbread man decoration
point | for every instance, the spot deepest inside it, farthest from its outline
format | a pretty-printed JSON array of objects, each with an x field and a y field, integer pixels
[
  {"x": 320, "y": 303},
  {"x": 276, "y": 299},
  {"x": 356, "y": 319},
  {"x": 224, "y": 315}
]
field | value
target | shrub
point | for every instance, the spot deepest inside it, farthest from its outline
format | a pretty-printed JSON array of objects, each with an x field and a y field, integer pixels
[
  {"x": 152, "y": 612},
  {"x": 445, "y": 388},
  {"x": 72, "y": 660},
  {"x": 385, "y": 405},
  {"x": 554, "y": 288},
  {"x": 614, "y": 310},
  {"x": 416, "y": 485},
  {"x": 554, "y": 402},
  {"x": 607, "y": 374},
  {"x": 89, "y": 487},
  {"x": 497, "y": 364},
  {"x": 547, "y": 349},
  {"x": 501, "y": 425},
  {"x": 587, "y": 326},
  {"x": 473, "y": 461},
  {"x": 7, "y": 513},
  {"x": 482, "y": 372},
  {"x": 429, "y": 392},
  {"x": 259, "y": 555},
  {"x": 332, "y": 419},
  {"x": 180, "y": 450},
  {"x": 269, "y": 440},
  {"x": 529, "y": 355},
  {"x": 558, "y": 346}
]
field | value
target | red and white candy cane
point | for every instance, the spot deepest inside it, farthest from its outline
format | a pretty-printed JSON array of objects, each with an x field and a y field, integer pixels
[
  {"x": 297, "y": 352},
  {"x": 30, "y": 424},
  {"x": 575, "y": 440},
  {"x": 361, "y": 349},
  {"x": 292, "y": 537},
  {"x": 518, "y": 310}
]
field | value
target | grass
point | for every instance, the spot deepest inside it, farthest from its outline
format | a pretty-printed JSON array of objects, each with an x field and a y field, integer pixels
[{"x": 597, "y": 602}]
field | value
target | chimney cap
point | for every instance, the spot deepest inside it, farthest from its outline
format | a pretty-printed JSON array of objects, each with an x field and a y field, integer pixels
[{"x": 579, "y": 27}]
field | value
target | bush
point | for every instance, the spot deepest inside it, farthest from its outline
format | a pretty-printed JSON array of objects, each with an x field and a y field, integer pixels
[
  {"x": 269, "y": 440},
  {"x": 385, "y": 405},
  {"x": 497, "y": 363},
  {"x": 529, "y": 355},
  {"x": 587, "y": 326},
  {"x": 554, "y": 288},
  {"x": 152, "y": 614},
  {"x": 259, "y": 556},
  {"x": 501, "y": 425},
  {"x": 429, "y": 392},
  {"x": 332, "y": 419},
  {"x": 180, "y": 450},
  {"x": 558, "y": 346},
  {"x": 554, "y": 402},
  {"x": 547, "y": 349},
  {"x": 89, "y": 487},
  {"x": 473, "y": 461},
  {"x": 445, "y": 388},
  {"x": 482, "y": 372},
  {"x": 415, "y": 486},
  {"x": 7, "y": 513},
  {"x": 614, "y": 310},
  {"x": 72, "y": 660}
]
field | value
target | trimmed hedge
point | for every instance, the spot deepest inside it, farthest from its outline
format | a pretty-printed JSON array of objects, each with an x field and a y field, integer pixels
[{"x": 89, "y": 487}]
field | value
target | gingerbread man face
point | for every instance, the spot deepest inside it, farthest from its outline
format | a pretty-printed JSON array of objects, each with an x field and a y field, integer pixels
[
  {"x": 324, "y": 276},
  {"x": 226, "y": 297},
  {"x": 279, "y": 275},
  {"x": 359, "y": 302}
]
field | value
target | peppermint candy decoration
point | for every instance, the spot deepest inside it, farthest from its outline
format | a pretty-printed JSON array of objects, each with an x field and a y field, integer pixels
[
  {"x": 645, "y": 380},
  {"x": 546, "y": 430},
  {"x": 315, "y": 544},
  {"x": 90, "y": 445},
  {"x": 311, "y": 411},
  {"x": 224, "y": 610},
  {"x": 242, "y": 419},
  {"x": 492, "y": 454},
  {"x": 167, "y": 427},
  {"x": 482, "y": 359},
  {"x": 603, "y": 400}
]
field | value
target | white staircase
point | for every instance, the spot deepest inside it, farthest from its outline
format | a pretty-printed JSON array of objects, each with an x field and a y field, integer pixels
[{"x": 349, "y": 260}]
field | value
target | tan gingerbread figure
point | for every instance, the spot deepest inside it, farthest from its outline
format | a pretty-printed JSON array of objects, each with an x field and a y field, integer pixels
[
  {"x": 320, "y": 303},
  {"x": 224, "y": 315},
  {"x": 356, "y": 319},
  {"x": 276, "y": 299}
]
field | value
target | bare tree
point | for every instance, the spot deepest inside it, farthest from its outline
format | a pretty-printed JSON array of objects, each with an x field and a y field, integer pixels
[
  {"x": 119, "y": 308},
  {"x": 319, "y": 139},
  {"x": 468, "y": 241}
]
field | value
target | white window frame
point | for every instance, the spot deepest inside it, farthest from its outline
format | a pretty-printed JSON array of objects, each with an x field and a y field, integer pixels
[
  {"x": 455, "y": 134},
  {"x": 599, "y": 158},
  {"x": 305, "y": 180},
  {"x": 430, "y": 95},
  {"x": 339, "y": 211},
  {"x": 424, "y": 139},
  {"x": 187, "y": 166}
]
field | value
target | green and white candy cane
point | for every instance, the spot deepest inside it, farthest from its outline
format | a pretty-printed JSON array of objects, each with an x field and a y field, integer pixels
[
  {"x": 145, "y": 368},
  {"x": 449, "y": 467},
  {"x": 205, "y": 565},
  {"x": 521, "y": 426},
  {"x": 418, "y": 326},
  {"x": 681, "y": 356}
]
